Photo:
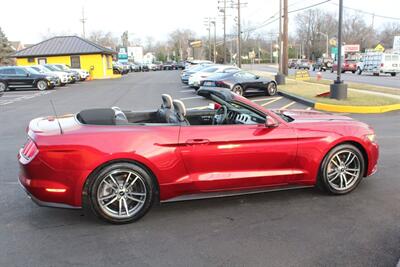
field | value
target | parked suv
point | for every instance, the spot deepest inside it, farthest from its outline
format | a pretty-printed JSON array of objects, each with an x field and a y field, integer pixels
[
  {"x": 83, "y": 74},
  {"x": 20, "y": 77},
  {"x": 63, "y": 76}
]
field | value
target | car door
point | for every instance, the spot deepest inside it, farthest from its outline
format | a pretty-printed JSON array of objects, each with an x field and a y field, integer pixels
[
  {"x": 23, "y": 78},
  {"x": 228, "y": 157}
]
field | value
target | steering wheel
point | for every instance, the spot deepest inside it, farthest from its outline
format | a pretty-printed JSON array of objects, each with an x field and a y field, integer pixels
[{"x": 220, "y": 115}]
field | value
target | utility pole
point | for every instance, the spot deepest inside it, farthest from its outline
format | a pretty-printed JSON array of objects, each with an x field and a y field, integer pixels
[
  {"x": 239, "y": 37},
  {"x": 207, "y": 23},
  {"x": 83, "y": 21},
  {"x": 214, "y": 22},
  {"x": 285, "y": 39},
  {"x": 338, "y": 89},
  {"x": 224, "y": 46},
  {"x": 280, "y": 77}
]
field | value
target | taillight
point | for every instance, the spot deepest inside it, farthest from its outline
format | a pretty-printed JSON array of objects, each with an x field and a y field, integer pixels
[
  {"x": 219, "y": 83},
  {"x": 29, "y": 151}
]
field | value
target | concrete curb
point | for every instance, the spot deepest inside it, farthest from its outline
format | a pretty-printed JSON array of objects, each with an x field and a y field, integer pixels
[
  {"x": 302, "y": 100},
  {"x": 340, "y": 108}
]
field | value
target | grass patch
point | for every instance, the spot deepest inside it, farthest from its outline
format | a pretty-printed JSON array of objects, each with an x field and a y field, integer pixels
[
  {"x": 313, "y": 87},
  {"x": 309, "y": 91}
]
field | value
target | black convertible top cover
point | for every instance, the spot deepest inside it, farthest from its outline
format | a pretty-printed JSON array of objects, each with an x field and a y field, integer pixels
[
  {"x": 97, "y": 116},
  {"x": 224, "y": 94}
]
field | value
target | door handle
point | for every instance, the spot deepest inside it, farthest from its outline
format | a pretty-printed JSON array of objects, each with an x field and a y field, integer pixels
[{"x": 197, "y": 141}]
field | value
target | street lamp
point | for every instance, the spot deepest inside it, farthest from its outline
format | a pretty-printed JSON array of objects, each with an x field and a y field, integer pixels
[
  {"x": 215, "y": 40},
  {"x": 327, "y": 42},
  {"x": 338, "y": 89}
]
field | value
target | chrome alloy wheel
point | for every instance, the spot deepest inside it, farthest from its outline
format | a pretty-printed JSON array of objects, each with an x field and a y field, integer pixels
[
  {"x": 343, "y": 170},
  {"x": 42, "y": 85},
  {"x": 121, "y": 193},
  {"x": 238, "y": 90}
]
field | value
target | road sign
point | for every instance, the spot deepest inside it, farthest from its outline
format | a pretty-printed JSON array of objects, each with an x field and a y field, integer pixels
[
  {"x": 302, "y": 75},
  {"x": 333, "y": 41},
  {"x": 252, "y": 55},
  {"x": 379, "y": 48},
  {"x": 196, "y": 44},
  {"x": 351, "y": 48}
]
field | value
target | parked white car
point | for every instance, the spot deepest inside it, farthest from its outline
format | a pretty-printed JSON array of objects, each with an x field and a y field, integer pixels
[
  {"x": 63, "y": 76},
  {"x": 83, "y": 74},
  {"x": 196, "y": 78},
  {"x": 379, "y": 63}
]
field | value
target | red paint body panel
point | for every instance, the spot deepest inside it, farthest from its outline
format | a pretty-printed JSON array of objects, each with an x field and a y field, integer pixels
[{"x": 189, "y": 159}]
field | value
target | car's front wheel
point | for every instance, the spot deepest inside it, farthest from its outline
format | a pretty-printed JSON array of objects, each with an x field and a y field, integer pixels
[
  {"x": 238, "y": 89},
  {"x": 122, "y": 192},
  {"x": 3, "y": 87},
  {"x": 42, "y": 85},
  {"x": 341, "y": 170},
  {"x": 271, "y": 89}
]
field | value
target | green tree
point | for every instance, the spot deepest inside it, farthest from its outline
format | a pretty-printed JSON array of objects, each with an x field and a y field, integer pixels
[{"x": 5, "y": 50}]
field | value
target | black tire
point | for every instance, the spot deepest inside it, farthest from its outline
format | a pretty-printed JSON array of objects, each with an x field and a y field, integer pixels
[
  {"x": 322, "y": 180},
  {"x": 393, "y": 74},
  {"x": 42, "y": 85},
  {"x": 271, "y": 89},
  {"x": 353, "y": 71},
  {"x": 149, "y": 184},
  {"x": 359, "y": 71},
  {"x": 62, "y": 84},
  {"x": 238, "y": 89},
  {"x": 3, "y": 86},
  {"x": 332, "y": 70}
]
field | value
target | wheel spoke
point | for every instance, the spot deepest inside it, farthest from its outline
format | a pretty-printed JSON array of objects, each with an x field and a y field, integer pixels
[
  {"x": 135, "y": 199},
  {"x": 341, "y": 180},
  {"x": 347, "y": 163},
  {"x": 353, "y": 170},
  {"x": 113, "y": 180},
  {"x": 107, "y": 197},
  {"x": 111, "y": 201},
  {"x": 334, "y": 162},
  {"x": 352, "y": 174},
  {"x": 136, "y": 194},
  {"x": 132, "y": 183},
  {"x": 125, "y": 206},
  {"x": 120, "y": 207},
  {"x": 334, "y": 178},
  {"x": 110, "y": 185},
  {"x": 127, "y": 179},
  {"x": 344, "y": 180},
  {"x": 332, "y": 173}
]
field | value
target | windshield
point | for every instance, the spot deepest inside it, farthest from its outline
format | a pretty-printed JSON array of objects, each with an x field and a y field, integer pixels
[
  {"x": 60, "y": 67},
  {"x": 32, "y": 70},
  {"x": 52, "y": 68}
]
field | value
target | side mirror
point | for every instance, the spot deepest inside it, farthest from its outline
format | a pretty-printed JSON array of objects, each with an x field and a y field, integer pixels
[
  {"x": 257, "y": 77},
  {"x": 27, "y": 74},
  {"x": 270, "y": 122}
]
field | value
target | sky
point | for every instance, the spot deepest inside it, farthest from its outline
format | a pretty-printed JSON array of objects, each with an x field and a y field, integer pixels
[{"x": 32, "y": 20}]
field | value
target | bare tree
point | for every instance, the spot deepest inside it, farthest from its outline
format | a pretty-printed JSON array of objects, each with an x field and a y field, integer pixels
[
  {"x": 178, "y": 43},
  {"x": 386, "y": 35},
  {"x": 356, "y": 31},
  {"x": 106, "y": 39}
]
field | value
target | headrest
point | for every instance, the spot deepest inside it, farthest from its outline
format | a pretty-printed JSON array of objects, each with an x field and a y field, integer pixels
[
  {"x": 179, "y": 107},
  {"x": 167, "y": 101}
]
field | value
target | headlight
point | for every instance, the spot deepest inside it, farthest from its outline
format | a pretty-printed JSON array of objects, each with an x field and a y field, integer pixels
[{"x": 371, "y": 137}]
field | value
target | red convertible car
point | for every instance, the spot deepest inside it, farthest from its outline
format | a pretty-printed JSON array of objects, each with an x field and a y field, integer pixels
[{"x": 119, "y": 163}]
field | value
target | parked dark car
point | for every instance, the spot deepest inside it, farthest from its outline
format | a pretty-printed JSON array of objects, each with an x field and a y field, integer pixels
[
  {"x": 241, "y": 83},
  {"x": 20, "y": 77},
  {"x": 322, "y": 64},
  {"x": 145, "y": 67},
  {"x": 170, "y": 65}
]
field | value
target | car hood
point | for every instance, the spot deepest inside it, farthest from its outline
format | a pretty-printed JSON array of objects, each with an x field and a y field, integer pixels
[{"x": 312, "y": 116}]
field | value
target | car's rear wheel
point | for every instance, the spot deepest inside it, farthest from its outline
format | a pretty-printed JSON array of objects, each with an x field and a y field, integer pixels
[
  {"x": 342, "y": 169},
  {"x": 42, "y": 85},
  {"x": 122, "y": 193},
  {"x": 238, "y": 89},
  {"x": 393, "y": 74},
  {"x": 271, "y": 89},
  {"x": 3, "y": 87}
]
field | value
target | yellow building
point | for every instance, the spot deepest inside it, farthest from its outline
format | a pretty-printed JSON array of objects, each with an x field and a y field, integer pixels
[{"x": 73, "y": 51}]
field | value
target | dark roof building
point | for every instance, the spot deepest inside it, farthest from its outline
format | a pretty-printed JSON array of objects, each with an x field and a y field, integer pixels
[{"x": 63, "y": 45}]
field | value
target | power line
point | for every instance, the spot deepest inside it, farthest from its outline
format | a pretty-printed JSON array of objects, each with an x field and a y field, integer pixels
[{"x": 368, "y": 13}]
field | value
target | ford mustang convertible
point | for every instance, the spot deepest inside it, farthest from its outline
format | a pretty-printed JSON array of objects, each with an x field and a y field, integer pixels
[{"x": 118, "y": 163}]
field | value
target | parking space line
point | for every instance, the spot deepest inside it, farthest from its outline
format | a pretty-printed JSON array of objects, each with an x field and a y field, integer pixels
[
  {"x": 192, "y": 97},
  {"x": 272, "y": 101},
  {"x": 263, "y": 99},
  {"x": 288, "y": 105},
  {"x": 186, "y": 91}
]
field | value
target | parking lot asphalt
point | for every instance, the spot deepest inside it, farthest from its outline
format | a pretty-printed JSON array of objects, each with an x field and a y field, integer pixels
[
  {"x": 382, "y": 80},
  {"x": 287, "y": 228}
]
